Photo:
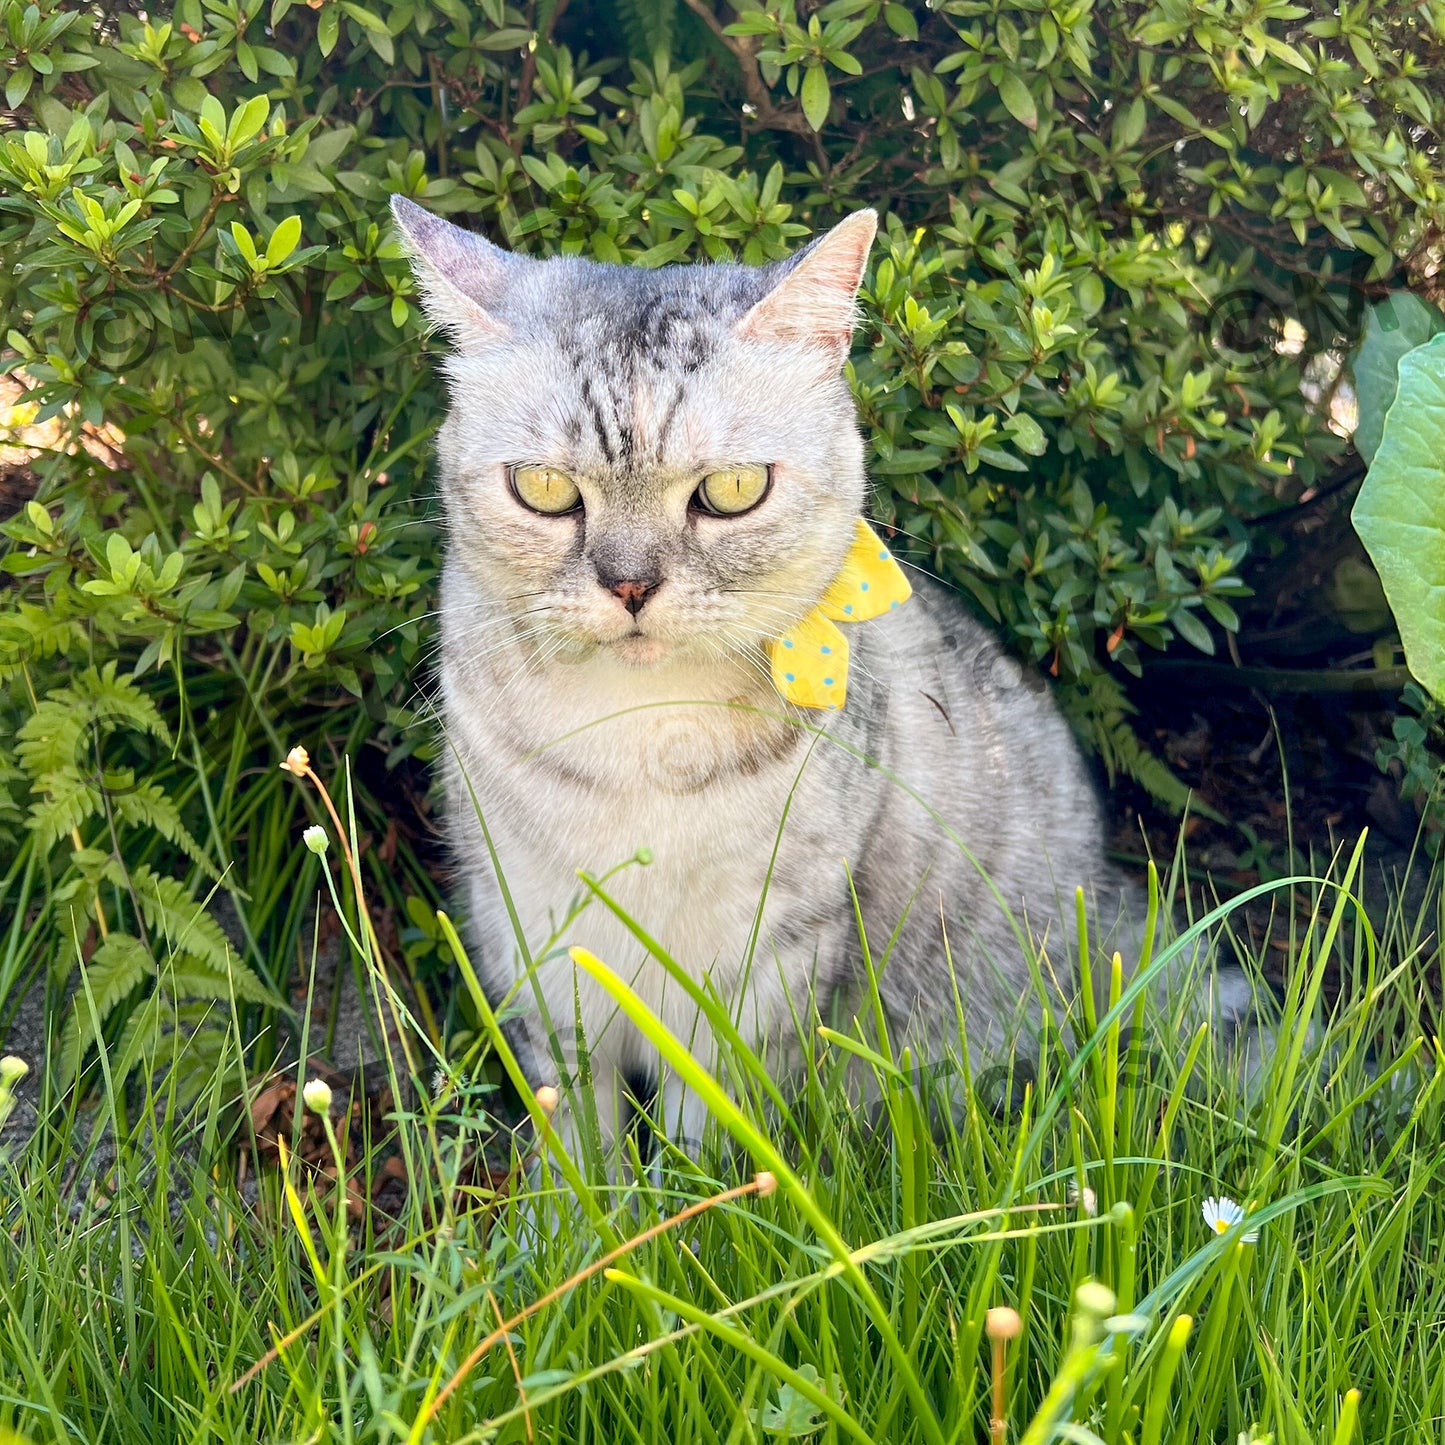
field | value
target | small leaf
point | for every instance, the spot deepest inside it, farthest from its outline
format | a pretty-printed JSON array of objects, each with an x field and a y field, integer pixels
[
  {"x": 1191, "y": 629},
  {"x": 283, "y": 241},
  {"x": 245, "y": 245},
  {"x": 18, "y": 86},
  {"x": 900, "y": 21},
  {"x": 1027, "y": 435},
  {"x": 1018, "y": 99},
  {"x": 816, "y": 96},
  {"x": 1130, "y": 124}
]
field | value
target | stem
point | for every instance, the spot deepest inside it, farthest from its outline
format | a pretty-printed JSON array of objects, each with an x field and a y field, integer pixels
[
  {"x": 1289, "y": 679},
  {"x": 998, "y": 1425},
  {"x": 354, "y": 867},
  {"x": 197, "y": 236}
]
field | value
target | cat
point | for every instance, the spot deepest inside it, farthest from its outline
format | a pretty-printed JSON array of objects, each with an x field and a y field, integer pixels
[{"x": 648, "y": 477}]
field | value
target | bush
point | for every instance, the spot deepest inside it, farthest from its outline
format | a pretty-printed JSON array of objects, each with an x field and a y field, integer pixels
[{"x": 1125, "y": 249}]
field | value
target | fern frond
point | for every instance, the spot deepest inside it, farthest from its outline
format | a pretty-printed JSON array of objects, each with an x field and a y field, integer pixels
[
  {"x": 184, "y": 980},
  {"x": 162, "y": 1034},
  {"x": 143, "y": 1036},
  {"x": 45, "y": 631},
  {"x": 51, "y": 737},
  {"x": 649, "y": 26},
  {"x": 148, "y": 806},
  {"x": 120, "y": 963},
  {"x": 1099, "y": 713},
  {"x": 68, "y": 801},
  {"x": 172, "y": 915}
]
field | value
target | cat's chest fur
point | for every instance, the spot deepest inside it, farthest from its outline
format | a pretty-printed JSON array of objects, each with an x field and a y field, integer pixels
[{"x": 580, "y": 767}]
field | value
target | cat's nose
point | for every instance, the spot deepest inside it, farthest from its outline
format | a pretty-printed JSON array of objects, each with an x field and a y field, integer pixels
[{"x": 633, "y": 593}]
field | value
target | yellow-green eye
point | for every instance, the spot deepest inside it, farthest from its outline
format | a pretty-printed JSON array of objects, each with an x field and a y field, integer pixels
[
  {"x": 545, "y": 489},
  {"x": 732, "y": 490}
]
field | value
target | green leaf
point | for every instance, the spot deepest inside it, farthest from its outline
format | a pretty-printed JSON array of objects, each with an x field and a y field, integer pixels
[
  {"x": 793, "y": 1415},
  {"x": 1393, "y": 327},
  {"x": 816, "y": 96},
  {"x": 283, "y": 241},
  {"x": 328, "y": 26},
  {"x": 1130, "y": 124},
  {"x": 1026, "y": 434},
  {"x": 1018, "y": 99},
  {"x": 1400, "y": 512},
  {"x": 246, "y": 246},
  {"x": 1192, "y": 630},
  {"x": 901, "y": 21},
  {"x": 18, "y": 86},
  {"x": 248, "y": 119}
]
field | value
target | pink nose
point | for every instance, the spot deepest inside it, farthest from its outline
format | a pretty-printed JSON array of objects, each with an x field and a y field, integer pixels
[{"x": 633, "y": 594}]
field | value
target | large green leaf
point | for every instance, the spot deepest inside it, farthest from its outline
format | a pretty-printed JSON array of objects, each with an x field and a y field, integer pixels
[
  {"x": 1400, "y": 512},
  {"x": 1393, "y": 328}
]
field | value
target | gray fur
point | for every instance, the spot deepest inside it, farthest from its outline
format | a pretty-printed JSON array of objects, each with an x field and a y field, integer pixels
[{"x": 584, "y": 733}]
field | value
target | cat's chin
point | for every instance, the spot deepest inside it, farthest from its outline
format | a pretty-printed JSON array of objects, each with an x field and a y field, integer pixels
[{"x": 637, "y": 650}]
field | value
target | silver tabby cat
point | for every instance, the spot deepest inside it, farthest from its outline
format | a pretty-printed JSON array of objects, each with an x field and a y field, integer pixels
[{"x": 605, "y": 684}]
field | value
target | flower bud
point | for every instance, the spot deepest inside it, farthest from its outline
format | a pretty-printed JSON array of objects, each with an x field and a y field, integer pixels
[
  {"x": 298, "y": 760},
  {"x": 317, "y": 1095},
  {"x": 315, "y": 839},
  {"x": 1002, "y": 1323},
  {"x": 766, "y": 1183},
  {"x": 547, "y": 1100},
  {"x": 1093, "y": 1298},
  {"x": 12, "y": 1069}
]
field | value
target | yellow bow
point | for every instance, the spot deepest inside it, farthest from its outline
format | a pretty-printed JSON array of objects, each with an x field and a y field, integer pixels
[{"x": 810, "y": 660}]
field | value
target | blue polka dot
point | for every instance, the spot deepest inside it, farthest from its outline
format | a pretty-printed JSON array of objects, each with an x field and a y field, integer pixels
[
  {"x": 827, "y": 651},
  {"x": 849, "y": 609},
  {"x": 893, "y": 604},
  {"x": 864, "y": 585},
  {"x": 789, "y": 676},
  {"x": 787, "y": 642},
  {"x": 827, "y": 682},
  {"x": 883, "y": 555}
]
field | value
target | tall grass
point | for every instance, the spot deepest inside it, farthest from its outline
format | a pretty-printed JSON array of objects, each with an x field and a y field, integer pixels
[{"x": 823, "y": 1272}]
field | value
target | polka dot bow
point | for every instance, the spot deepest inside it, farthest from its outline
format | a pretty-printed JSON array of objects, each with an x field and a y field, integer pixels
[{"x": 810, "y": 660}]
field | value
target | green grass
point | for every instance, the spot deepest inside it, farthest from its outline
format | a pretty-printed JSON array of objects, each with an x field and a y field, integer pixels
[{"x": 848, "y": 1304}]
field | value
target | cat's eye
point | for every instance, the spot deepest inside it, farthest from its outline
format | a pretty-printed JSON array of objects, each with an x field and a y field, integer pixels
[
  {"x": 731, "y": 491},
  {"x": 545, "y": 489}
]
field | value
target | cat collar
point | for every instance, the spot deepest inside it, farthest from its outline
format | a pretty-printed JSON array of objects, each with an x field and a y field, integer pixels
[{"x": 810, "y": 660}]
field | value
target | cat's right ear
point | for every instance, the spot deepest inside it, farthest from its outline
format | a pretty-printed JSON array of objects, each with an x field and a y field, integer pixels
[{"x": 461, "y": 275}]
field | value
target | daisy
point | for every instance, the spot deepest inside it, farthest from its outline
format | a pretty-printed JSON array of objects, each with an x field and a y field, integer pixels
[{"x": 1222, "y": 1214}]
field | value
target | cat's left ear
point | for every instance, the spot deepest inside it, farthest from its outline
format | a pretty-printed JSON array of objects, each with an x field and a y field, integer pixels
[
  {"x": 813, "y": 303},
  {"x": 462, "y": 276}
]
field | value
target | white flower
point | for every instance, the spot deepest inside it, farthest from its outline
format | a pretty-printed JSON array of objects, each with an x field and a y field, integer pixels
[
  {"x": 317, "y": 1095},
  {"x": 1222, "y": 1214},
  {"x": 1084, "y": 1198},
  {"x": 315, "y": 839}
]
